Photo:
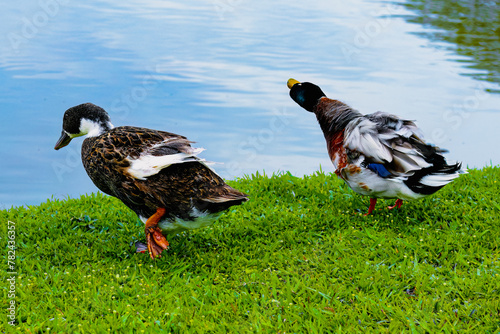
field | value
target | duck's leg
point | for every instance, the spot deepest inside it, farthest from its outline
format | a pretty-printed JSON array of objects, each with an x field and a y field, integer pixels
[
  {"x": 398, "y": 204},
  {"x": 156, "y": 241},
  {"x": 373, "y": 201}
]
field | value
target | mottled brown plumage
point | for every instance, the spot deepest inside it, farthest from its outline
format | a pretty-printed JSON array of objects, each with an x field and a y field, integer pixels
[
  {"x": 155, "y": 173},
  {"x": 176, "y": 188}
]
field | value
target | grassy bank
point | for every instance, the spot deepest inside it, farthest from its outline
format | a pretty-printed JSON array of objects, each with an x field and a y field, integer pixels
[{"x": 299, "y": 257}]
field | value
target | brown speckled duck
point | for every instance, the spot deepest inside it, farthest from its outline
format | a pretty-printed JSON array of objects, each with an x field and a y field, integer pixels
[
  {"x": 156, "y": 174},
  {"x": 377, "y": 155}
]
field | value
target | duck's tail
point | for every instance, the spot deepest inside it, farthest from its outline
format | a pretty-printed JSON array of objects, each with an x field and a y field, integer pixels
[
  {"x": 224, "y": 199},
  {"x": 429, "y": 180}
]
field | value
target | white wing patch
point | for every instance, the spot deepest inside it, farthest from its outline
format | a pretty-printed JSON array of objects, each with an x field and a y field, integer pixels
[
  {"x": 147, "y": 165},
  {"x": 362, "y": 136}
]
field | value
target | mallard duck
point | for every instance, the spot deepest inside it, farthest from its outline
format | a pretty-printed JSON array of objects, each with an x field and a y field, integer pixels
[
  {"x": 377, "y": 155},
  {"x": 157, "y": 174}
]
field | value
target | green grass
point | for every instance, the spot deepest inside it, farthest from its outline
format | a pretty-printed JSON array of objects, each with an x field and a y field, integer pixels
[{"x": 299, "y": 257}]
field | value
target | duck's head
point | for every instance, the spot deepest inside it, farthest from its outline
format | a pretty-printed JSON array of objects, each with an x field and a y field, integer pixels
[
  {"x": 306, "y": 94},
  {"x": 84, "y": 119}
]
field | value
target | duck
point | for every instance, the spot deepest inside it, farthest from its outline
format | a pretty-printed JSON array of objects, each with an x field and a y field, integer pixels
[
  {"x": 378, "y": 155},
  {"x": 157, "y": 174}
]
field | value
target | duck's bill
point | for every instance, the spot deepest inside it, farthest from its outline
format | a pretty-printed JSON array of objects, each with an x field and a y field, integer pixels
[
  {"x": 63, "y": 141},
  {"x": 291, "y": 82}
]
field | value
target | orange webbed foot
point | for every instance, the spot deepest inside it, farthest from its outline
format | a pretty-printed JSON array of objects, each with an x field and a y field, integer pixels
[
  {"x": 157, "y": 243},
  {"x": 155, "y": 239}
]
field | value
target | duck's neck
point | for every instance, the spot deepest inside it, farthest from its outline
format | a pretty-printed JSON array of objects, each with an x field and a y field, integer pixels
[
  {"x": 93, "y": 128},
  {"x": 333, "y": 116}
]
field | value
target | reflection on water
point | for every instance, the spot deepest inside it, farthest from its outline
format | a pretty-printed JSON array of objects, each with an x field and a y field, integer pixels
[
  {"x": 473, "y": 26},
  {"x": 216, "y": 71}
]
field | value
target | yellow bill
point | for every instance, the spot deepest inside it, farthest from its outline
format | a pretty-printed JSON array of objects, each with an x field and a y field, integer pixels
[{"x": 291, "y": 82}]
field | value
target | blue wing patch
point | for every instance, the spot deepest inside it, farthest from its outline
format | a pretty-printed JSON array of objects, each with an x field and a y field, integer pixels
[{"x": 379, "y": 169}]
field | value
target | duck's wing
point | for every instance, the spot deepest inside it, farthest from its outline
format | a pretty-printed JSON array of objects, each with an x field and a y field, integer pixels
[
  {"x": 149, "y": 151},
  {"x": 389, "y": 146}
]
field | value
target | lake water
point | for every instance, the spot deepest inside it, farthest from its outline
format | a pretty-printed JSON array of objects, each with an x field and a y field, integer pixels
[{"x": 216, "y": 72}]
